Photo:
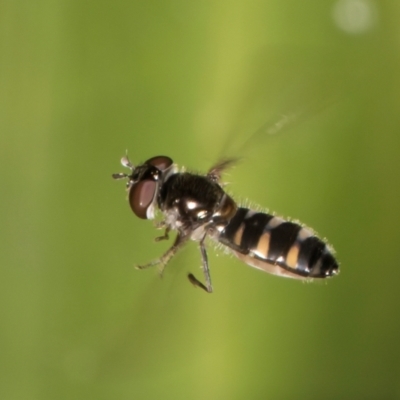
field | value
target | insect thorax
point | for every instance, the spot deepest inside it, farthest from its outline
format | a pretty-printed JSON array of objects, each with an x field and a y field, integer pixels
[{"x": 191, "y": 201}]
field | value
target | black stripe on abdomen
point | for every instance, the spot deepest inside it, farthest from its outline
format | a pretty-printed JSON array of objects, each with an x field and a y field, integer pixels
[
  {"x": 281, "y": 240},
  {"x": 244, "y": 230},
  {"x": 253, "y": 228}
]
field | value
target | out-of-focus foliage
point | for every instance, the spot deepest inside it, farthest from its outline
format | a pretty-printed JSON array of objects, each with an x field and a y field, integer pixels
[{"x": 82, "y": 82}]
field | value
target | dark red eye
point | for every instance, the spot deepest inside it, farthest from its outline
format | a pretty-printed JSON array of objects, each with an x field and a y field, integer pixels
[
  {"x": 160, "y": 162},
  {"x": 141, "y": 196}
]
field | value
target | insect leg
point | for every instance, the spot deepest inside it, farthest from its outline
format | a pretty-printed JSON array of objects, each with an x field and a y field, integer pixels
[
  {"x": 208, "y": 286},
  {"x": 164, "y": 259},
  {"x": 165, "y": 236},
  {"x": 195, "y": 282}
]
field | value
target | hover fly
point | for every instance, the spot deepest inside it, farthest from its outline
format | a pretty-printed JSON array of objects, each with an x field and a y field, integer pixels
[{"x": 197, "y": 207}]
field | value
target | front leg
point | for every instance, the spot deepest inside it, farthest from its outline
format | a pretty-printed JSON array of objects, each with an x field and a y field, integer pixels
[
  {"x": 166, "y": 257},
  {"x": 165, "y": 236}
]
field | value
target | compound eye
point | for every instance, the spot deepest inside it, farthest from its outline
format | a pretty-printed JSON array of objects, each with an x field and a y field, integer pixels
[
  {"x": 160, "y": 162},
  {"x": 141, "y": 196}
]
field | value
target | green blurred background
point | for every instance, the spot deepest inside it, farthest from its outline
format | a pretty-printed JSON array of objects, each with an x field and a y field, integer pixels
[{"x": 83, "y": 81}]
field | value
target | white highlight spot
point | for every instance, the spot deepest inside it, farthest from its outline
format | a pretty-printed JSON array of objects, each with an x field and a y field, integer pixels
[
  {"x": 280, "y": 259},
  {"x": 355, "y": 16},
  {"x": 191, "y": 205},
  {"x": 202, "y": 214}
]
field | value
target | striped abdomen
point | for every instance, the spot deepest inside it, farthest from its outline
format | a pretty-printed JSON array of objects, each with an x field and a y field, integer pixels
[{"x": 277, "y": 246}]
